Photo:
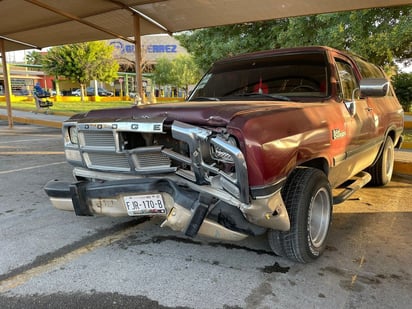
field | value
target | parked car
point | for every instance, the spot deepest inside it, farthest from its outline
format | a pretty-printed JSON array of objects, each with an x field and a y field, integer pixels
[
  {"x": 90, "y": 92},
  {"x": 20, "y": 92},
  {"x": 101, "y": 92},
  {"x": 53, "y": 92},
  {"x": 76, "y": 92},
  {"x": 257, "y": 148}
]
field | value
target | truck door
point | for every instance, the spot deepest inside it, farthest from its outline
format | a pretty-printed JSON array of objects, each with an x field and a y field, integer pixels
[{"x": 359, "y": 120}]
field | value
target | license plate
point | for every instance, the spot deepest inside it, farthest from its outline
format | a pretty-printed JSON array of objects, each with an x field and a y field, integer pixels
[{"x": 148, "y": 204}]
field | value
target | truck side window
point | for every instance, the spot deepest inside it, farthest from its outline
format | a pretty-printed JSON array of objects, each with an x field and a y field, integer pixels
[
  {"x": 348, "y": 82},
  {"x": 368, "y": 70}
]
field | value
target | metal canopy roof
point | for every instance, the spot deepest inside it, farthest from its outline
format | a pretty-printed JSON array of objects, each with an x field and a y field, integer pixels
[{"x": 26, "y": 24}]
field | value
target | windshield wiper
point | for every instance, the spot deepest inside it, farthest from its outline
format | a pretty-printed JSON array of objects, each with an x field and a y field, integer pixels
[
  {"x": 264, "y": 95},
  {"x": 205, "y": 99}
]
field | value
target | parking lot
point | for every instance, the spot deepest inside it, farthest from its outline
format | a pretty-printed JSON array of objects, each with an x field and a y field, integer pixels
[{"x": 53, "y": 259}]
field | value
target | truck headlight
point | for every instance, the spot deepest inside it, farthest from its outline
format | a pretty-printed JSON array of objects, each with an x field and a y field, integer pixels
[
  {"x": 73, "y": 135},
  {"x": 221, "y": 154}
]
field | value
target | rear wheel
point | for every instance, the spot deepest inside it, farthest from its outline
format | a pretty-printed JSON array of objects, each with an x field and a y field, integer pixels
[
  {"x": 382, "y": 170},
  {"x": 308, "y": 199}
]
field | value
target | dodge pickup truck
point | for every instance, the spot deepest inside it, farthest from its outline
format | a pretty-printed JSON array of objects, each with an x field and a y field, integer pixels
[{"x": 267, "y": 142}]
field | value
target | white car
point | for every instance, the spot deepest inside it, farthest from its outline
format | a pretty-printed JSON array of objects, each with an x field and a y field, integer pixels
[{"x": 77, "y": 92}]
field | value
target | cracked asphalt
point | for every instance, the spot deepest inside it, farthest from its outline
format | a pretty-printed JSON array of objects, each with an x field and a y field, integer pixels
[{"x": 53, "y": 259}]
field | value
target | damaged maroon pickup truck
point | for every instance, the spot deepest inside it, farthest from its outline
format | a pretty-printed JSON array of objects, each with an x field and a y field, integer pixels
[{"x": 257, "y": 148}]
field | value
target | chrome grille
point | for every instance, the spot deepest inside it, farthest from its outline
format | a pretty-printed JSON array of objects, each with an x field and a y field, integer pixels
[
  {"x": 107, "y": 161},
  {"x": 100, "y": 152},
  {"x": 104, "y": 139},
  {"x": 150, "y": 160}
]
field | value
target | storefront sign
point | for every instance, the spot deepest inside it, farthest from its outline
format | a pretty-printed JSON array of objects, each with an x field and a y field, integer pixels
[
  {"x": 152, "y": 48},
  {"x": 161, "y": 48}
]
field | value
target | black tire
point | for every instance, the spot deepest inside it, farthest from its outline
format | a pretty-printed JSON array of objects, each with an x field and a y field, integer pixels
[
  {"x": 275, "y": 242},
  {"x": 382, "y": 170},
  {"x": 308, "y": 199}
]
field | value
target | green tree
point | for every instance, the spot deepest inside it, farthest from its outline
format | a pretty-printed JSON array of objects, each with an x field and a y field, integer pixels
[
  {"x": 82, "y": 62},
  {"x": 34, "y": 57},
  {"x": 402, "y": 83},
  {"x": 180, "y": 72},
  {"x": 162, "y": 72},
  {"x": 184, "y": 72},
  {"x": 211, "y": 44},
  {"x": 381, "y": 35}
]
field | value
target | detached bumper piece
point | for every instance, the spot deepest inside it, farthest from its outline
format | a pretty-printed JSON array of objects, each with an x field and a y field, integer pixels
[
  {"x": 187, "y": 211},
  {"x": 59, "y": 194}
]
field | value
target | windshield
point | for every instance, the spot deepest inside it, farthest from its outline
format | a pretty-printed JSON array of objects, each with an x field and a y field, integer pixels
[{"x": 279, "y": 77}]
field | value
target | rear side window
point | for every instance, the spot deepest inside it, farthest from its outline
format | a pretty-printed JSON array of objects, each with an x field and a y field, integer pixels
[{"x": 368, "y": 70}]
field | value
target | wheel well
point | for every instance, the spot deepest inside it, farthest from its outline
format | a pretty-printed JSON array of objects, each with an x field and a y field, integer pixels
[
  {"x": 318, "y": 163},
  {"x": 391, "y": 134}
]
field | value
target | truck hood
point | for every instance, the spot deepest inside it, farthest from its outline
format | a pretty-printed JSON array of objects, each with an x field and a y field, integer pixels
[{"x": 197, "y": 113}]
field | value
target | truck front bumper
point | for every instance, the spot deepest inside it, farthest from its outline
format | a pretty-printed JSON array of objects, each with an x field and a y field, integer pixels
[{"x": 87, "y": 198}]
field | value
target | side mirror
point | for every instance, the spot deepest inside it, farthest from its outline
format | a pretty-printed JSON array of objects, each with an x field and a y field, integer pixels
[{"x": 374, "y": 87}]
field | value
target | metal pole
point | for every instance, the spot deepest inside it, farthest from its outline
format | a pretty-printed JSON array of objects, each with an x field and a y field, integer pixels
[
  {"x": 126, "y": 84},
  {"x": 138, "y": 59},
  {"x": 7, "y": 84}
]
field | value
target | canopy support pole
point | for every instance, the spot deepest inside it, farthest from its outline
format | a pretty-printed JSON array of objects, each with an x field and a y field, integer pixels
[
  {"x": 138, "y": 60},
  {"x": 6, "y": 78}
]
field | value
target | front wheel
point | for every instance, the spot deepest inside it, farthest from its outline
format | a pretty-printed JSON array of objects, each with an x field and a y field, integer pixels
[{"x": 308, "y": 199}]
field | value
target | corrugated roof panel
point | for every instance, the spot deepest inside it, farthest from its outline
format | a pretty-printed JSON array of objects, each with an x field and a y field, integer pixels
[{"x": 46, "y": 23}]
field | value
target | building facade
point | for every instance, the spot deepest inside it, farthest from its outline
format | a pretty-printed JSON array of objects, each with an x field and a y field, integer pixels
[{"x": 154, "y": 47}]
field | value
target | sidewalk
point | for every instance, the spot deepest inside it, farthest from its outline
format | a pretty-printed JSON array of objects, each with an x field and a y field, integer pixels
[
  {"x": 53, "y": 120},
  {"x": 403, "y": 162},
  {"x": 41, "y": 119},
  {"x": 403, "y": 158}
]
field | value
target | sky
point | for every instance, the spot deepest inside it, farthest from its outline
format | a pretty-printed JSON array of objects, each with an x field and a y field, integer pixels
[{"x": 18, "y": 56}]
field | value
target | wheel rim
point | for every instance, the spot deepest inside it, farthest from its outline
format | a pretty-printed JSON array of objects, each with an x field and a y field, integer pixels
[
  {"x": 389, "y": 161},
  {"x": 319, "y": 217}
]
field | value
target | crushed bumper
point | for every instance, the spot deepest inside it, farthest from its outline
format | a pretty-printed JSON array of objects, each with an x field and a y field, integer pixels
[
  {"x": 105, "y": 198},
  {"x": 187, "y": 210}
]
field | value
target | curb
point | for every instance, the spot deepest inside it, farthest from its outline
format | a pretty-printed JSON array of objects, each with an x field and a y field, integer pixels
[
  {"x": 39, "y": 122},
  {"x": 403, "y": 162},
  {"x": 402, "y": 168}
]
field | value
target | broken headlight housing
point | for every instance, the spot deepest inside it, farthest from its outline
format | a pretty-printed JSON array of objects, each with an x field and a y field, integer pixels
[{"x": 222, "y": 155}]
